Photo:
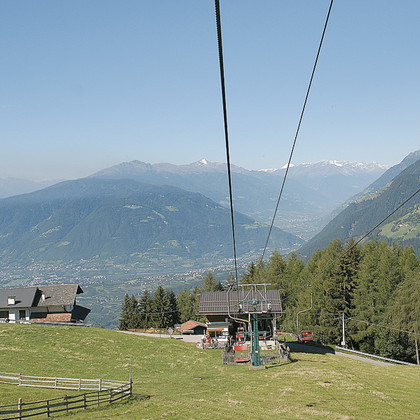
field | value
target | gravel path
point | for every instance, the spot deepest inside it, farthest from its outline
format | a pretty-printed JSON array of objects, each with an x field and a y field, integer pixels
[
  {"x": 363, "y": 359},
  {"x": 186, "y": 338}
]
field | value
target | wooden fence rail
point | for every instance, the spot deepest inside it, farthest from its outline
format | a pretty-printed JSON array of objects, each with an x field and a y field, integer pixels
[
  {"x": 59, "y": 383},
  {"x": 65, "y": 404}
]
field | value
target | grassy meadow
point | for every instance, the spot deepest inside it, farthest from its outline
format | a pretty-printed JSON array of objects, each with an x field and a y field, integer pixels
[{"x": 184, "y": 382}]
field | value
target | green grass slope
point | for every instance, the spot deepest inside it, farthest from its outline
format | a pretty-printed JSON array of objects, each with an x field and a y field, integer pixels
[{"x": 184, "y": 382}]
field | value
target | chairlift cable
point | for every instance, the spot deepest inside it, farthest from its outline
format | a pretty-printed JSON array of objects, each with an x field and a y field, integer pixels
[
  {"x": 353, "y": 246},
  {"x": 225, "y": 120},
  {"x": 298, "y": 128}
]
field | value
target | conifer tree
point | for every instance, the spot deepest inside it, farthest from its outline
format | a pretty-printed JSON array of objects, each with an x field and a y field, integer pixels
[
  {"x": 404, "y": 313},
  {"x": 173, "y": 316},
  {"x": 209, "y": 283},
  {"x": 379, "y": 275},
  {"x": 185, "y": 304},
  {"x": 161, "y": 308},
  {"x": 145, "y": 310},
  {"x": 128, "y": 313}
]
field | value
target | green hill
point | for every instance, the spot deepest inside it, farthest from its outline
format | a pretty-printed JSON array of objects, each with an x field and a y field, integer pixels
[
  {"x": 184, "y": 382},
  {"x": 125, "y": 222}
]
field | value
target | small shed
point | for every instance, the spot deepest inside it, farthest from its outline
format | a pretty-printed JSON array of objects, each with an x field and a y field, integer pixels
[{"x": 193, "y": 327}]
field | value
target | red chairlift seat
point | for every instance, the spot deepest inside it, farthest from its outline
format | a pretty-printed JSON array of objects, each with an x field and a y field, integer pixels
[
  {"x": 306, "y": 336},
  {"x": 241, "y": 358}
]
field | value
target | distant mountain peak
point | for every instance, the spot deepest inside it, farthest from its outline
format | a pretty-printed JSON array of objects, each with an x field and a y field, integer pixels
[{"x": 335, "y": 166}]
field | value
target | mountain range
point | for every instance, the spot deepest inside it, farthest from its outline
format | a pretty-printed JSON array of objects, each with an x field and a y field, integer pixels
[
  {"x": 376, "y": 202},
  {"x": 312, "y": 190},
  {"x": 123, "y": 228},
  {"x": 126, "y": 222}
]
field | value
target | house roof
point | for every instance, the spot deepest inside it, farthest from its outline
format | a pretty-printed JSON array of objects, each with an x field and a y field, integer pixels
[
  {"x": 24, "y": 297},
  {"x": 240, "y": 301},
  {"x": 29, "y": 297},
  {"x": 58, "y": 295},
  {"x": 190, "y": 325}
]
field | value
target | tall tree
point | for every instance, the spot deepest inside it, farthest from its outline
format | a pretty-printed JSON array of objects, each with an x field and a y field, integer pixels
[
  {"x": 129, "y": 310},
  {"x": 185, "y": 304},
  {"x": 404, "y": 313},
  {"x": 379, "y": 275},
  {"x": 145, "y": 310},
  {"x": 174, "y": 314},
  {"x": 161, "y": 308},
  {"x": 209, "y": 282}
]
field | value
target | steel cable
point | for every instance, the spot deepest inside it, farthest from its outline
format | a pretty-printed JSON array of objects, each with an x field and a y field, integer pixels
[
  {"x": 225, "y": 120},
  {"x": 298, "y": 128}
]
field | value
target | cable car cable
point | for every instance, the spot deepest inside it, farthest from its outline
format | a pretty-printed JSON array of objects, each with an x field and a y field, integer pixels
[
  {"x": 298, "y": 128},
  {"x": 225, "y": 120}
]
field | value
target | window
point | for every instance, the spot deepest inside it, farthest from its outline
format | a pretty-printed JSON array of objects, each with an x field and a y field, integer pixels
[
  {"x": 22, "y": 314},
  {"x": 11, "y": 300}
]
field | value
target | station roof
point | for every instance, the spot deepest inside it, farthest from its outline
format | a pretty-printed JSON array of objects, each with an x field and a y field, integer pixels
[{"x": 240, "y": 302}]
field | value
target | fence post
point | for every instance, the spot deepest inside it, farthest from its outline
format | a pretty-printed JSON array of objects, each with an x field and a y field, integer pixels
[
  {"x": 100, "y": 384},
  {"x": 20, "y": 378},
  {"x": 20, "y": 408},
  {"x": 48, "y": 408},
  {"x": 110, "y": 396},
  {"x": 84, "y": 401},
  {"x": 55, "y": 383},
  {"x": 80, "y": 383},
  {"x": 67, "y": 404}
]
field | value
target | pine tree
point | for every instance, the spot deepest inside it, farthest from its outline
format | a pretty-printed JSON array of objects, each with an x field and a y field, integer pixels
[
  {"x": 379, "y": 275},
  {"x": 128, "y": 313},
  {"x": 173, "y": 315},
  {"x": 145, "y": 310},
  {"x": 404, "y": 313},
  {"x": 161, "y": 308},
  {"x": 185, "y": 304},
  {"x": 209, "y": 282}
]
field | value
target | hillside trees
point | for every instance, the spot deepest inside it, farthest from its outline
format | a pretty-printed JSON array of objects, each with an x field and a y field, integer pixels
[
  {"x": 165, "y": 309},
  {"x": 376, "y": 286},
  {"x": 145, "y": 309},
  {"x": 128, "y": 313},
  {"x": 158, "y": 310},
  {"x": 378, "y": 276},
  {"x": 161, "y": 309},
  {"x": 210, "y": 284}
]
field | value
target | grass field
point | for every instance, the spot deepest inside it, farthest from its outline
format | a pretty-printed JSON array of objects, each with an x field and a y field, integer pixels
[{"x": 184, "y": 382}]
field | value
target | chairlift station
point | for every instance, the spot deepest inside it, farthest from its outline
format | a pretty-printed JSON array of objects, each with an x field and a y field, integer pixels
[{"x": 249, "y": 311}]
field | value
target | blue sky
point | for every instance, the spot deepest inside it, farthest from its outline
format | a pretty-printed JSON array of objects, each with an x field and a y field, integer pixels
[{"x": 88, "y": 84}]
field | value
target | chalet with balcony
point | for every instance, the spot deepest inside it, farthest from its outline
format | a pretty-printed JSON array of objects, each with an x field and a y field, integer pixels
[{"x": 52, "y": 303}]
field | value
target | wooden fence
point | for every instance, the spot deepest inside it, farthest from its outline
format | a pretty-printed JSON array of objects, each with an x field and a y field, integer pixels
[
  {"x": 59, "y": 383},
  {"x": 64, "y": 404},
  {"x": 102, "y": 391}
]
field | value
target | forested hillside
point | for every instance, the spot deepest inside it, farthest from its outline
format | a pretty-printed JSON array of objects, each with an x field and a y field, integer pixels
[{"x": 375, "y": 286}]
